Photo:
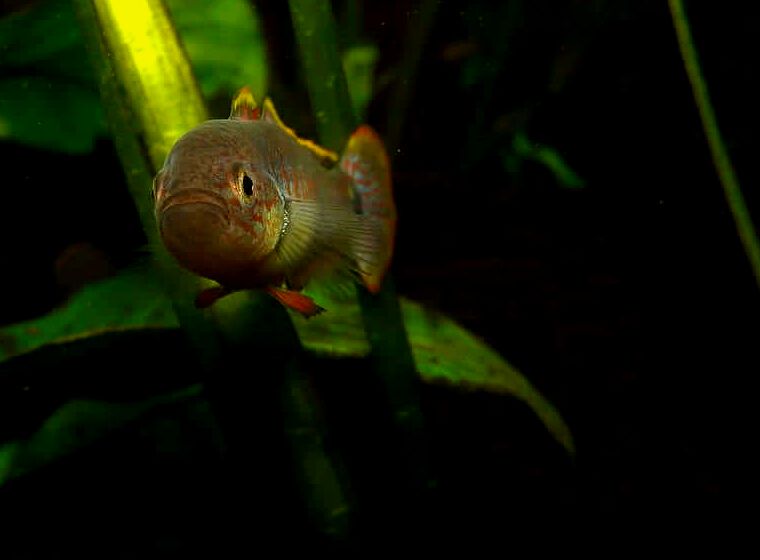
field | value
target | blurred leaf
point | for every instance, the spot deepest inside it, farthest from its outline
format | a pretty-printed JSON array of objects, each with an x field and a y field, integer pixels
[
  {"x": 443, "y": 351},
  {"x": 524, "y": 148},
  {"x": 45, "y": 114},
  {"x": 359, "y": 66},
  {"x": 50, "y": 99},
  {"x": 74, "y": 425},
  {"x": 39, "y": 33},
  {"x": 224, "y": 42}
]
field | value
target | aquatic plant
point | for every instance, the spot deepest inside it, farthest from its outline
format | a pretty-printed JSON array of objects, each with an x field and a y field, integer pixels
[
  {"x": 150, "y": 96},
  {"x": 721, "y": 160}
]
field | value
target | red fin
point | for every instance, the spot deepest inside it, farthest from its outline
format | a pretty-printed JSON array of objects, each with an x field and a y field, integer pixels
[
  {"x": 209, "y": 296},
  {"x": 366, "y": 162},
  {"x": 244, "y": 106},
  {"x": 296, "y": 301}
]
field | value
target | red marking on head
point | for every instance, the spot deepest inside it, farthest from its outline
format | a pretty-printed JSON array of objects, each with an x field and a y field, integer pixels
[{"x": 257, "y": 217}]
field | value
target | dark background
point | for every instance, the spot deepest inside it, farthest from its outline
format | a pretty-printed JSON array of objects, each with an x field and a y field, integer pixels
[{"x": 629, "y": 303}]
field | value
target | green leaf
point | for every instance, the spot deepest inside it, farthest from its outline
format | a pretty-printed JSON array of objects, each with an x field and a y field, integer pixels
[
  {"x": 443, "y": 351},
  {"x": 224, "y": 42},
  {"x": 57, "y": 116},
  {"x": 49, "y": 98},
  {"x": 74, "y": 425},
  {"x": 38, "y": 34},
  {"x": 129, "y": 300}
]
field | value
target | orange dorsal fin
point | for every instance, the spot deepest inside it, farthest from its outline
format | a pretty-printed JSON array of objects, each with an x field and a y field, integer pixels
[
  {"x": 244, "y": 106},
  {"x": 269, "y": 113}
]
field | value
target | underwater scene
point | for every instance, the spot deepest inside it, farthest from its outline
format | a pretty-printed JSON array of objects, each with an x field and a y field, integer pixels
[{"x": 352, "y": 277}]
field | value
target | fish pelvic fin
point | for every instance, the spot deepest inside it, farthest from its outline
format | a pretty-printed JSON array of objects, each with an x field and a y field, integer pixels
[
  {"x": 244, "y": 106},
  {"x": 296, "y": 301},
  {"x": 366, "y": 162}
]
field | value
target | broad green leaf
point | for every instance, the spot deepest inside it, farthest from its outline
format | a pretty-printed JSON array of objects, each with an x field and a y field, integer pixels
[
  {"x": 74, "y": 425},
  {"x": 37, "y": 34},
  {"x": 443, "y": 351},
  {"x": 49, "y": 98},
  {"x": 58, "y": 116},
  {"x": 129, "y": 300}
]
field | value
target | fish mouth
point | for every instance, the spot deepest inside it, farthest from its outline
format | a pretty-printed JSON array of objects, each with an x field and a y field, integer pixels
[
  {"x": 192, "y": 224},
  {"x": 191, "y": 198}
]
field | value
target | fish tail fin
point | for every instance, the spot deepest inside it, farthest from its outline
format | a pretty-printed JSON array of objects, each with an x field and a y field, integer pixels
[{"x": 366, "y": 162}]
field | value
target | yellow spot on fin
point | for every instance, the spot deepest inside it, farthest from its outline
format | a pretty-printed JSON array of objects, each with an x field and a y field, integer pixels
[
  {"x": 244, "y": 106},
  {"x": 323, "y": 154}
]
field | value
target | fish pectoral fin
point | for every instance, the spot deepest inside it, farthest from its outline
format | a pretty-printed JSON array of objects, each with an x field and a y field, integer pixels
[
  {"x": 302, "y": 234},
  {"x": 296, "y": 301},
  {"x": 322, "y": 237},
  {"x": 209, "y": 296}
]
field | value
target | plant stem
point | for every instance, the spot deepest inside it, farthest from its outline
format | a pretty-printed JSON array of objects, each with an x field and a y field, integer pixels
[
  {"x": 418, "y": 28},
  {"x": 721, "y": 160},
  {"x": 317, "y": 40},
  {"x": 391, "y": 356},
  {"x": 170, "y": 99},
  {"x": 246, "y": 346}
]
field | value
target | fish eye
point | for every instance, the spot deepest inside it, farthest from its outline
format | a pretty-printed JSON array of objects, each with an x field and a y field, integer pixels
[{"x": 247, "y": 185}]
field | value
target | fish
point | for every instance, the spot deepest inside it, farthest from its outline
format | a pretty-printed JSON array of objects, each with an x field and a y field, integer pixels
[{"x": 247, "y": 203}]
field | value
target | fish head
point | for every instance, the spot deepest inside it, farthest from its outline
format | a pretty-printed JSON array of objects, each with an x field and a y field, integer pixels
[{"x": 218, "y": 209}]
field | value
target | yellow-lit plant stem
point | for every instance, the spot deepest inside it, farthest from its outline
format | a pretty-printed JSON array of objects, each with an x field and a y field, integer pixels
[{"x": 151, "y": 98}]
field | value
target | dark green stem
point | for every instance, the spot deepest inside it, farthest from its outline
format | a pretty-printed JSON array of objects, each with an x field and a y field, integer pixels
[
  {"x": 721, "y": 160},
  {"x": 392, "y": 358},
  {"x": 418, "y": 29},
  {"x": 317, "y": 40}
]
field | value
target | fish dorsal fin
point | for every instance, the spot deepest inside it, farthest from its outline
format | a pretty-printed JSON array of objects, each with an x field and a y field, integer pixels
[
  {"x": 269, "y": 113},
  {"x": 244, "y": 106}
]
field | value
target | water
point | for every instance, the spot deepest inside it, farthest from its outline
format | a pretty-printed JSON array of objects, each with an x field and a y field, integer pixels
[{"x": 556, "y": 198}]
